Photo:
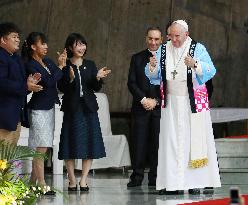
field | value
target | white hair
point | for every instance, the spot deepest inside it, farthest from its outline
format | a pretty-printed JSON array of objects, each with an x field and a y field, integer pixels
[{"x": 182, "y": 23}]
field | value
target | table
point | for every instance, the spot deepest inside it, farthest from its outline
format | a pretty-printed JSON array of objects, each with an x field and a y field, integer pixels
[{"x": 227, "y": 114}]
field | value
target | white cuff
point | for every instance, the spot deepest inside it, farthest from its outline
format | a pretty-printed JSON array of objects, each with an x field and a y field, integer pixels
[{"x": 142, "y": 100}]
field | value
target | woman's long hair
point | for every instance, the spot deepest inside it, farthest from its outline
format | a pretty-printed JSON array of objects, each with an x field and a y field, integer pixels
[{"x": 32, "y": 38}]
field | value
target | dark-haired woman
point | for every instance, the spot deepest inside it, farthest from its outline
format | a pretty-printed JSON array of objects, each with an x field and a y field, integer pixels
[
  {"x": 81, "y": 136},
  {"x": 41, "y": 105}
]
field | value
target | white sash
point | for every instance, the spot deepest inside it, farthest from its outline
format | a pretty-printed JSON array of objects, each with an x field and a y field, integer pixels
[{"x": 198, "y": 142}]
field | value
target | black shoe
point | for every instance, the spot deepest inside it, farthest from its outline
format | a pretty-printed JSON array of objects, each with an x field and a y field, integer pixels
[
  {"x": 50, "y": 193},
  {"x": 164, "y": 192},
  {"x": 72, "y": 188},
  {"x": 208, "y": 190},
  {"x": 133, "y": 183},
  {"x": 194, "y": 191},
  {"x": 84, "y": 188}
]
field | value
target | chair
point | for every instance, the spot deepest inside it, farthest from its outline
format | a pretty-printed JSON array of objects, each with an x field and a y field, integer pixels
[{"x": 116, "y": 146}]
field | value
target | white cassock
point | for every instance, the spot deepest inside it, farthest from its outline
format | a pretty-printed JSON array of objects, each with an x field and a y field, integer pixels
[{"x": 173, "y": 172}]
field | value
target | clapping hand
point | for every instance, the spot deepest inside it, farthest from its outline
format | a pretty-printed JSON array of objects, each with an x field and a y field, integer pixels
[
  {"x": 62, "y": 59},
  {"x": 102, "y": 73},
  {"x": 32, "y": 82},
  {"x": 36, "y": 78},
  {"x": 72, "y": 74}
]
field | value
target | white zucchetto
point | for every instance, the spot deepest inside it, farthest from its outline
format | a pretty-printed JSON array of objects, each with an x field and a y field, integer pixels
[{"x": 182, "y": 23}]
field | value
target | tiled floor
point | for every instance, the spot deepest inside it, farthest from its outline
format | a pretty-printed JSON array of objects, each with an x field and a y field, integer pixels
[{"x": 109, "y": 188}]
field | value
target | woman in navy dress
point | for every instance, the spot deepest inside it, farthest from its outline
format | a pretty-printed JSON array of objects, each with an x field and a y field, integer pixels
[
  {"x": 81, "y": 136},
  {"x": 41, "y": 105}
]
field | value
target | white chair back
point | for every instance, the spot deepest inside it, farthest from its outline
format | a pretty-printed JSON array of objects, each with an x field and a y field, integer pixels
[{"x": 103, "y": 114}]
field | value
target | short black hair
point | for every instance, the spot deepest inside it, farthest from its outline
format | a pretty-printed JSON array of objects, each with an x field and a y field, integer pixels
[
  {"x": 153, "y": 28},
  {"x": 7, "y": 27},
  {"x": 71, "y": 40}
]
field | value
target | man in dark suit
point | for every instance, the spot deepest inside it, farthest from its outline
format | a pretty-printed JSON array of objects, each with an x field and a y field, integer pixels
[
  {"x": 145, "y": 111},
  {"x": 13, "y": 84}
]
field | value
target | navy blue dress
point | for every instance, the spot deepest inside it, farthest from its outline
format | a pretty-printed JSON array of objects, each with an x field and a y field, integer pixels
[{"x": 81, "y": 136}]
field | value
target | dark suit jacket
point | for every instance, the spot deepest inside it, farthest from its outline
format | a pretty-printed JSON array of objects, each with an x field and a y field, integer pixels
[
  {"x": 138, "y": 83},
  {"x": 71, "y": 98},
  {"x": 45, "y": 99},
  {"x": 13, "y": 90}
]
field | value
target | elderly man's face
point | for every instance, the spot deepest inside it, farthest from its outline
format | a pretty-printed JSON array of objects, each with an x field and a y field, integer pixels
[
  {"x": 154, "y": 40},
  {"x": 178, "y": 35}
]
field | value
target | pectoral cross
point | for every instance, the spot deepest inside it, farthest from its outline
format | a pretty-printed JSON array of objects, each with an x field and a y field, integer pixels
[{"x": 174, "y": 73}]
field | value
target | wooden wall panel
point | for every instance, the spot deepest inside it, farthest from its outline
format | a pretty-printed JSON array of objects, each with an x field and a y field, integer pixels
[
  {"x": 219, "y": 25},
  {"x": 209, "y": 30},
  {"x": 90, "y": 18},
  {"x": 117, "y": 56},
  {"x": 28, "y": 15},
  {"x": 115, "y": 30},
  {"x": 129, "y": 22},
  {"x": 236, "y": 84}
]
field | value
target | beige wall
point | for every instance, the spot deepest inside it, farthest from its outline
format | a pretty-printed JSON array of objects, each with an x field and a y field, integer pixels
[{"x": 114, "y": 30}]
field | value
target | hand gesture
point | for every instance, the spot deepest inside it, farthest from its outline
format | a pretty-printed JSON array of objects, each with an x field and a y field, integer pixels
[
  {"x": 153, "y": 63},
  {"x": 36, "y": 78},
  {"x": 72, "y": 74},
  {"x": 149, "y": 103},
  {"x": 189, "y": 61},
  {"x": 102, "y": 73},
  {"x": 32, "y": 82},
  {"x": 62, "y": 59}
]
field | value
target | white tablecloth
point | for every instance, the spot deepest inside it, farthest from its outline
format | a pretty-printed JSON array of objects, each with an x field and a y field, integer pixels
[
  {"x": 117, "y": 149},
  {"x": 219, "y": 115}
]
